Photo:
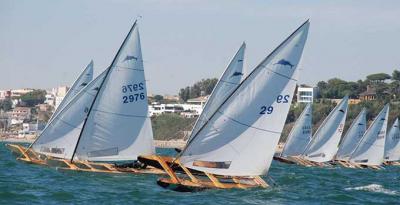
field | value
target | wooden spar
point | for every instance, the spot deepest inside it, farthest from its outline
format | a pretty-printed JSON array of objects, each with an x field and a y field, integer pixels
[
  {"x": 30, "y": 156},
  {"x": 182, "y": 178}
]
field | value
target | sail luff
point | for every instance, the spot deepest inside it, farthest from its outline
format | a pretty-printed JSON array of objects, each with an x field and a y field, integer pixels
[
  {"x": 370, "y": 149},
  {"x": 84, "y": 78},
  {"x": 300, "y": 123},
  {"x": 321, "y": 126},
  {"x": 236, "y": 61},
  {"x": 350, "y": 135},
  {"x": 60, "y": 136},
  {"x": 392, "y": 145},
  {"x": 100, "y": 88},
  {"x": 326, "y": 139},
  {"x": 259, "y": 66}
]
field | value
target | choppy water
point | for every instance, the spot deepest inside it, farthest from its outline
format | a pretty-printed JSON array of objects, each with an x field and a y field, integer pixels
[{"x": 22, "y": 183}]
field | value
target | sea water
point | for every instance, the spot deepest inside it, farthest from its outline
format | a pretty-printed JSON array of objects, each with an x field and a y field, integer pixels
[{"x": 22, "y": 183}]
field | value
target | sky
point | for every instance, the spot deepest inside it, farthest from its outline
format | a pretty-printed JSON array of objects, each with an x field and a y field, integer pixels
[{"x": 47, "y": 43}]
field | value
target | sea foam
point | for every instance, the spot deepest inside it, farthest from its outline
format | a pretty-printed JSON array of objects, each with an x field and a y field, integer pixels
[{"x": 373, "y": 188}]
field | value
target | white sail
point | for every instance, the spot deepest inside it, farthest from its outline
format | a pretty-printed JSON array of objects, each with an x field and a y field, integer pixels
[
  {"x": 227, "y": 83},
  {"x": 300, "y": 135},
  {"x": 353, "y": 136},
  {"x": 392, "y": 145},
  {"x": 370, "y": 150},
  {"x": 324, "y": 144},
  {"x": 84, "y": 78},
  {"x": 241, "y": 136},
  {"x": 118, "y": 127},
  {"x": 60, "y": 136}
]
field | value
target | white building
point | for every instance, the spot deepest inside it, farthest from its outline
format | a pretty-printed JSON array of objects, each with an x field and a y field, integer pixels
[
  {"x": 59, "y": 94},
  {"x": 306, "y": 94}
]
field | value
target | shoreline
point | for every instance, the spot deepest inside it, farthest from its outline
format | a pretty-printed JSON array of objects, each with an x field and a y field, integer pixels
[{"x": 171, "y": 144}]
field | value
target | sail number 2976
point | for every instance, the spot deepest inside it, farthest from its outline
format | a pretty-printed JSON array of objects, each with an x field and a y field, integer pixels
[
  {"x": 130, "y": 93},
  {"x": 270, "y": 109}
]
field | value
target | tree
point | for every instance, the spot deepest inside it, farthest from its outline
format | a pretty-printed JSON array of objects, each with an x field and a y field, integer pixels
[
  {"x": 6, "y": 105},
  {"x": 200, "y": 88},
  {"x": 396, "y": 75},
  {"x": 33, "y": 98},
  {"x": 378, "y": 77},
  {"x": 158, "y": 98}
]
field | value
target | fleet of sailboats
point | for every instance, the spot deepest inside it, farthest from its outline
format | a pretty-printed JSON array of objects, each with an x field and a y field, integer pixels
[{"x": 102, "y": 125}]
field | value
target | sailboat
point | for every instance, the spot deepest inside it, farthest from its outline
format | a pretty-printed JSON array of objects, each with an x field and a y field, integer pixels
[
  {"x": 227, "y": 83},
  {"x": 392, "y": 145},
  {"x": 370, "y": 151},
  {"x": 236, "y": 145},
  {"x": 352, "y": 137},
  {"x": 83, "y": 79},
  {"x": 299, "y": 137},
  {"x": 324, "y": 145},
  {"x": 106, "y": 123}
]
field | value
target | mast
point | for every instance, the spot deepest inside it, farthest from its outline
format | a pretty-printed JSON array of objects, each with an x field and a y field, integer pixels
[{"x": 100, "y": 88}]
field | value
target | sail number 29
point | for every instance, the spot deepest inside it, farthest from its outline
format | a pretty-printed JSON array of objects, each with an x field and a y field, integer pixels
[
  {"x": 130, "y": 95},
  {"x": 269, "y": 109}
]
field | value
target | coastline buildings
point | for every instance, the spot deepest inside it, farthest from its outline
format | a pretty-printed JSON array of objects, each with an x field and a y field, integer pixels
[
  {"x": 192, "y": 108},
  {"x": 306, "y": 93}
]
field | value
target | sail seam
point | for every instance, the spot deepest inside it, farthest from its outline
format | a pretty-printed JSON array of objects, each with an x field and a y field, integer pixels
[
  {"x": 280, "y": 74},
  {"x": 125, "y": 115},
  {"x": 229, "y": 82},
  {"x": 128, "y": 68},
  {"x": 247, "y": 124}
]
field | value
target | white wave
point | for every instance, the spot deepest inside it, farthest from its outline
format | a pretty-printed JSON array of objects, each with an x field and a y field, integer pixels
[{"x": 373, "y": 188}]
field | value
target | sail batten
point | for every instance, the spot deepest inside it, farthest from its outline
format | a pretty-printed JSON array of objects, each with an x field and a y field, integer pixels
[
  {"x": 370, "y": 150},
  {"x": 324, "y": 144},
  {"x": 235, "y": 137}
]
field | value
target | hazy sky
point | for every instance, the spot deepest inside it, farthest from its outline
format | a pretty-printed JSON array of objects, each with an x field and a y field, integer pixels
[{"x": 47, "y": 43}]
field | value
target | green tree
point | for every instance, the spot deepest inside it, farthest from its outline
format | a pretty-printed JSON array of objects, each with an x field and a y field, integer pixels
[
  {"x": 6, "y": 105},
  {"x": 378, "y": 77},
  {"x": 33, "y": 98},
  {"x": 200, "y": 88},
  {"x": 396, "y": 75},
  {"x": 158, "y": 98}
]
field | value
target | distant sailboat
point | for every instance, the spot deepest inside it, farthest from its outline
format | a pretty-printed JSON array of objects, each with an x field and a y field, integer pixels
[
  {"x": 353, "y": 136},
  {"x": 238, "y": 141},
  {"x": 106, "y": 121},
  {"x": 83, "y": 79},
  {"x": 370, "y": 151},
  {"x": 299, "y": 137},
  {"x": 392, "y": 145},
  {"x": 226, "y": 84},
  {"x": 324, "y": 144}
]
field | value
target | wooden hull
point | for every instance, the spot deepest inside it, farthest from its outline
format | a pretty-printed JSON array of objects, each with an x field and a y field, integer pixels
[
  {"x": 183, "y": 179},
  {"x": 283, "y": 160},
  {"x": 29, "y": 156},
  {"x": 304, "y": 162},
  {"x": 392, "y": 163},
  {"x": 351, "y": 165}
]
